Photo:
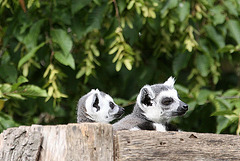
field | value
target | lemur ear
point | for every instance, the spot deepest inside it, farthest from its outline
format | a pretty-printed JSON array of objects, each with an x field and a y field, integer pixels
[
  {"x": 94, "y": 91},
  {"x": 96, "y": 102},
  {"x": 170, "y": 82},
  {"x": 146, "y": 95}
]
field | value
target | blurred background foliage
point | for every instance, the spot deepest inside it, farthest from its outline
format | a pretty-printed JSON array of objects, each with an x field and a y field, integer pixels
[{"x": 54, "y": 51}]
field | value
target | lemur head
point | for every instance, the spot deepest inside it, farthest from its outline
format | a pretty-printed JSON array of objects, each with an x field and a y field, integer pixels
[
  {"x": 100, "y": 107},
  {"x": 160, "y": 102}
]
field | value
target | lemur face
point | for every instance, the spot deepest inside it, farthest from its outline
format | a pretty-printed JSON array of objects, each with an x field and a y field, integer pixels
[
  {"x": 160, "y": 102},
  {"x": 100, "y": 107}
]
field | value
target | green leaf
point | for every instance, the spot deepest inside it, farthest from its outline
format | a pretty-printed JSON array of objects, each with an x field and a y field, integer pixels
[
  {"x": 8, "y": 73},
  {"x": 180, "y": 62},
  {"x": 7, "y": 121},
  {"x": 218, "y": 15},
  {"x": 227, "y": 48},
  {"x": 203, "y": 64},
  {"x": 231, "y": 8},
  {"x": 95, "y": 18},
  {"x": 67, "y": 60},
  {"x": 31, "y": 91},
  {"x": 15, "y": 95},
  {"x": 222, "y": 123},
  {"x": 121, "y": 5},
  {"x": 31, "y": 39},
  {"x": 231, "y": 92},
  {"x": 29, "y": 55},
  {"x": 202, "y": 97},
  {"x": 215, "y": 37},
  {"x": 183, "y": 10},
  {"x": 169, "y": 5},
  {"x": 81, "y": 72},
  {"x": 130, "y": 4},
  {"x": 182, "y": 89},
  {"x": 225, "y": 103},
  {"x": 233, "y": 27},
  {"x": 5, "y": 88},
  {"x": 222, "y": 113},
  {"x": 61, "y": 37},
  {"x": 20, "y": 81},
  {"x": 77, "y": 5}
]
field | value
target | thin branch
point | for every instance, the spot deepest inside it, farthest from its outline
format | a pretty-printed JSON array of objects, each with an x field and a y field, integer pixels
[
  {"x": 129, "y": 104},
  {"x": 49, "y": 41},
  {"x": 229, "y": 97},
  {"x": 22, "y": 4},
  {"x": 117, "y": 11}
]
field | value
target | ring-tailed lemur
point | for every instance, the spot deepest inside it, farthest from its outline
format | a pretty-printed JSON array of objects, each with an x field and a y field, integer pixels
[
  {"x": 97, "y": 106},
  {"x": 155, "y": 106}
]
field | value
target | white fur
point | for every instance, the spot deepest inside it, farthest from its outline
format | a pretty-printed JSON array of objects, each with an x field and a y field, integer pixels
[
  {"x": 170, "y": 82},
  {"x": 105, "y": 114},
  {"x": 134, "y": 129},
  {"x": 160, "y": 127},
  {"x": 151, "y": 93},
  {"x": 159, "y": 113}
]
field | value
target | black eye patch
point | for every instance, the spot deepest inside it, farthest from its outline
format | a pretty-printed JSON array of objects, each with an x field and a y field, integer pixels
[
  {"x": 95, "y": 104},
  {"x": 167, "y": 101},
  {"x": 112, "y": 105}
]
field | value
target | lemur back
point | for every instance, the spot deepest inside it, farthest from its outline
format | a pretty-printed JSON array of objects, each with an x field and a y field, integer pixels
[
  {"x": 155, "y": 106},
  {"x": 97, "y": 106}
]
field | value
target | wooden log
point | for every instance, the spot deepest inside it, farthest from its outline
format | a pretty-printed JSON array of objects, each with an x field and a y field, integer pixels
[
  {"x": 93, "y": 142},
  {"x": 152, "y": 145},
  {"x": 20, "y": 144},
  {"x": 73, "y": 142}
]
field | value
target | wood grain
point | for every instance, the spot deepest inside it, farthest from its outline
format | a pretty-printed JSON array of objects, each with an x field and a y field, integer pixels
[
  {"x": 152, "y": 145},
  {"x": 96, "y": 142},
  {"x": 72, "y": 142},
  {"x": 20, "y": 144}
]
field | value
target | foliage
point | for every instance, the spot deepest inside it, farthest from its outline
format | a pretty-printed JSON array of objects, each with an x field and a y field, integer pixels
[{"x": 60, "y": 49}]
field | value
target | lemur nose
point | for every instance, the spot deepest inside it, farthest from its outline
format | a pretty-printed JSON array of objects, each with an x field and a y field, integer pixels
[
  {"x": 121, "y": 110},
  {"x": 185, "y": 107}
]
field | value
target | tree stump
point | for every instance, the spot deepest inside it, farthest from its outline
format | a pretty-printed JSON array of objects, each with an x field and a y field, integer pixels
[{"x": 96, "y": 142}]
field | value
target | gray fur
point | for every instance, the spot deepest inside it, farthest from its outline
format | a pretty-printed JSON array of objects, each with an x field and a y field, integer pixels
[
  {"x": 131, "y": 120},
  {"x": 81, "y": 110},
  {"x": 148, "y": 99}
]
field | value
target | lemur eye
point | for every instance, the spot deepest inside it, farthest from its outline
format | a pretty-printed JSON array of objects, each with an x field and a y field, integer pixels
[
  {"x": 112, "y": 105},
  {"x": 167, "y": 101},
  {"x": 95, "y": 104}
]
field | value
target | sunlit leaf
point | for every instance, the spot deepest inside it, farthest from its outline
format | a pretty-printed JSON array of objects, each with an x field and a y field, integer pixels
[
  {"x": 183, "y": 10},
  {"x": 62, "y": 38},
  {"x": 20, "y": 81},
  {"x": 31, "y": 90},
  {"x": 67, "y": 60},
  {"x": 222, "y": 113},
  {"x": 29, "y": 55},
  {"x": 81, "y": 72},
  {"x": 233, "y": 27}
]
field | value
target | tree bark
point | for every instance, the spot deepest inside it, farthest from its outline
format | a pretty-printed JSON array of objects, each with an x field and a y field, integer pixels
[{"x": 152, "y": 145}]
